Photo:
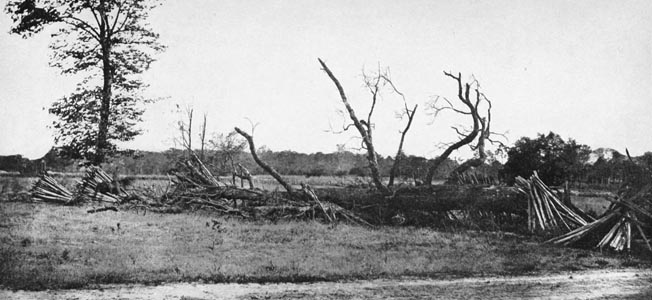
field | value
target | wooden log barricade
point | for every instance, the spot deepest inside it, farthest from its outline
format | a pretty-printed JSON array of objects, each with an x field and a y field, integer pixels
[
  {"x": 95, "y": 185},
  {"x": 546, "y": 212},
  {"x": 626, "y": 220},
  {"x": 47, "y": 189}
]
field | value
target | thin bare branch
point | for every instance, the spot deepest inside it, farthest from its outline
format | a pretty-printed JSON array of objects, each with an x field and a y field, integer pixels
[
  {"x": 344, "y": 128},
  {"x": 399, "y": 152},
  {"x": 81, "y": 24},
  {"x": 117, "y": 16}
]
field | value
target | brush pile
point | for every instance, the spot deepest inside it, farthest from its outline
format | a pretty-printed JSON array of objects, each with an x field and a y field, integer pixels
[
  {"x": 192, "y": 186},
  {"x": 546, "y": 212},
  {"x": 195, "y": 187}
]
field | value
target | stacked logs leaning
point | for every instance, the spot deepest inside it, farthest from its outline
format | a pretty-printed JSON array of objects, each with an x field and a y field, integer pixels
[{"x": 626, "y": 219}]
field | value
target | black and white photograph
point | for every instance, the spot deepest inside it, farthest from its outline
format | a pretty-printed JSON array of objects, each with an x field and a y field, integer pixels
[{"x": 341, "y": 149}]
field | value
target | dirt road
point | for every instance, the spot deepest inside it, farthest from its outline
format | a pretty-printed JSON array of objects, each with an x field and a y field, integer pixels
[{"x": 603, "y": 284}]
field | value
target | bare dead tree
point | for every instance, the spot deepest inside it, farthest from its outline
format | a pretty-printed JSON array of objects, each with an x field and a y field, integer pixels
[
  {"x": 463, "y": 95},
  {"x": 481, "y": 126},
  {"x": 365, "y": 126},
  {"x": 484, "y": 134},
  {"x": 262, "y": 164}
]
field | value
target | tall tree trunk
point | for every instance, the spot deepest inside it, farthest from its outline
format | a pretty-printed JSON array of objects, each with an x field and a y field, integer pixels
[{"x": 102, "y": 134}]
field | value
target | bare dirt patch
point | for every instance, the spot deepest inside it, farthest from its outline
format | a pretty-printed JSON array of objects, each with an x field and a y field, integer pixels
[{"x": 603, "y": 284}]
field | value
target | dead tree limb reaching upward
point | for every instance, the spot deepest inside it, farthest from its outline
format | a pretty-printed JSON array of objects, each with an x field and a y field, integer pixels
[
  {"x": 399, "y": 153},
  {"x": 363, "y": 127},
  {"x": 484, "y": 134},
  {"x": 481, "y": 129},
  {"x": 262, "y": 164},
  {"x": 375, "y": 83},
  {"x": 463, "y": 95}
]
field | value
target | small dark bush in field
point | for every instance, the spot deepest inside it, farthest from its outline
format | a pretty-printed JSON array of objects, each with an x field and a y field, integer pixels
[
  {"x": 314, "y": 172},
  {"x": 629, "y": 262},
  {"x": 270, "y": 267},
  {"x": 341, "y": 173},
  {"x": 601, "y": 262},
  {"x": 357, "y": 171},
  {"x": 65, "y": 255},
  {"x": 15, "y": 186}
]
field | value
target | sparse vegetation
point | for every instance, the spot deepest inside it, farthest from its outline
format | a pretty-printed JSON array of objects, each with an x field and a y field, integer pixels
[{"x": 48, "y": 246}]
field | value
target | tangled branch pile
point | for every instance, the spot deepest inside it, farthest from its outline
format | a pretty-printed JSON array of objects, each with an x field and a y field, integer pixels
[{"x": 195, "y": 187}]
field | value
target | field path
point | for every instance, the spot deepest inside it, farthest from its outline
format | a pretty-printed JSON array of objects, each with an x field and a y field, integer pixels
[{"x": 602, "y": 284}]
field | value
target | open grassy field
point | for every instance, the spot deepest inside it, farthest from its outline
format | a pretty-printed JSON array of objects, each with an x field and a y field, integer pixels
[
  {"x": 45, "y": 246},
  {"x": 593, "y": 205}
]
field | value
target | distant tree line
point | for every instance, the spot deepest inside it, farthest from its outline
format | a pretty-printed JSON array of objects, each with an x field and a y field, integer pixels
[
  {"x": 556, "y": 160},
  {"x": 286, "y": 162}
]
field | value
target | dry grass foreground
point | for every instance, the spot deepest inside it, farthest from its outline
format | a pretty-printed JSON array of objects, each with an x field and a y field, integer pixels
[{"x": 46, "y": 246}]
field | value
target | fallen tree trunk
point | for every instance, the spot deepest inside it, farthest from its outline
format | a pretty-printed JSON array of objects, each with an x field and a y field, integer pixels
[
  {"x": 454, "y": 197},
  {"x": 434, "y": 198},
  {"x": 101, "y": 209}
]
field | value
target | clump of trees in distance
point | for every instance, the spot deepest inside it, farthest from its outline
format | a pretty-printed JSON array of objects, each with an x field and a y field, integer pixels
[
  {"x": 556, "y": 160},
  {"x": 559, "y": 161}
]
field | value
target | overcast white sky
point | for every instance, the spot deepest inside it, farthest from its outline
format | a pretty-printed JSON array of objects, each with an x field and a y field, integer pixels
[{"x": 582, "y": 69}]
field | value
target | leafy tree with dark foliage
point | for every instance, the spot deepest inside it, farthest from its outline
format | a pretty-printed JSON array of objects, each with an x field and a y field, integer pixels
[
  {"x": 554, "y": 159},
  {"x": 110, "y": 43}
]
